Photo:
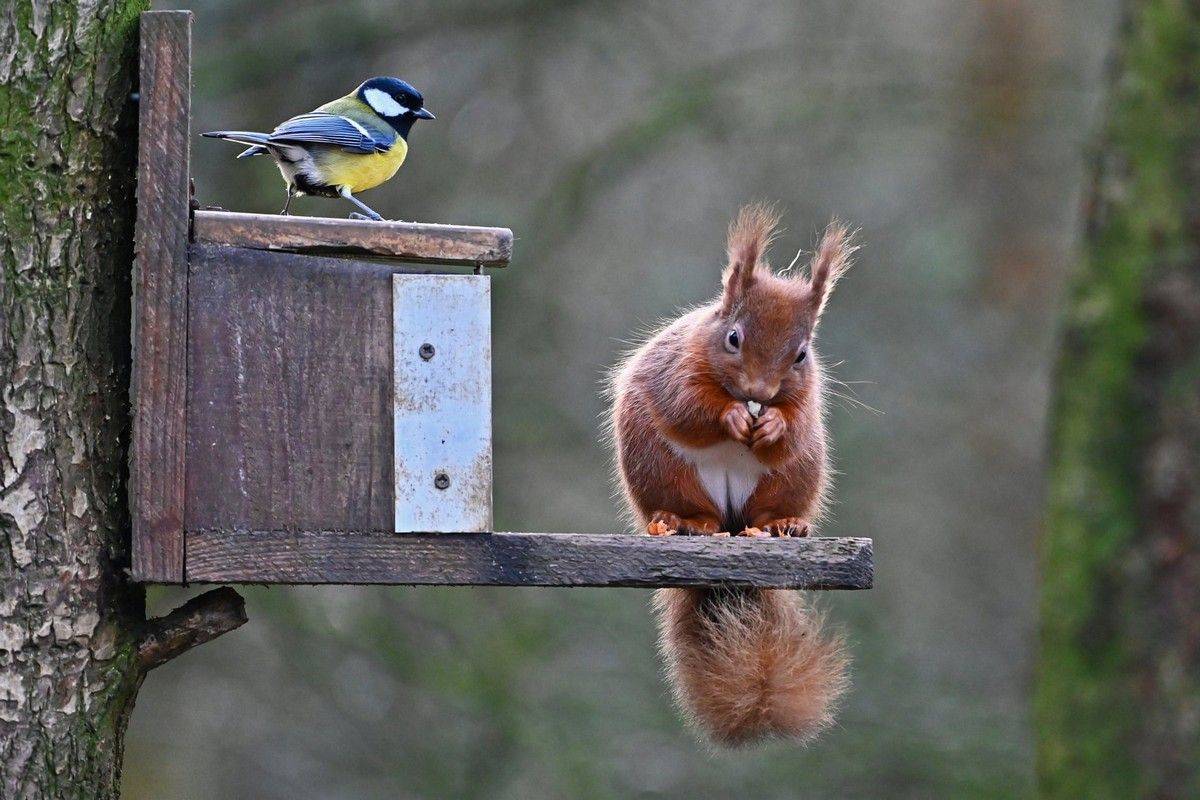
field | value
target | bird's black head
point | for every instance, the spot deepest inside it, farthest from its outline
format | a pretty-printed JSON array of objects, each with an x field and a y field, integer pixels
[{"x": 394, "y": 100}]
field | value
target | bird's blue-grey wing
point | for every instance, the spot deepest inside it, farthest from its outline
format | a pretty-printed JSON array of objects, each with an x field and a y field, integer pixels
[{"x": 333, "y": 130}]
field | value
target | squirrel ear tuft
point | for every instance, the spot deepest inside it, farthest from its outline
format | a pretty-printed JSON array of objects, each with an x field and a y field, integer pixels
[
  {"x": 750, "y": 234},
  {"x": 830, "y": 262}
]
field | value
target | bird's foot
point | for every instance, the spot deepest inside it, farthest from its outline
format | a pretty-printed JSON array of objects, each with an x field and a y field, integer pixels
[{"x": 375, "y": 218}]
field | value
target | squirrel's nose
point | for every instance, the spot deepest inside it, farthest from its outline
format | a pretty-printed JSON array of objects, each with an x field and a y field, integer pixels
[{"x": 760, "y": 391}]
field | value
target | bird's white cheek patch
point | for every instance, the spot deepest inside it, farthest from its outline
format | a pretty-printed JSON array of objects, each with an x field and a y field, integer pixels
[{"x": 384, "y": 103}]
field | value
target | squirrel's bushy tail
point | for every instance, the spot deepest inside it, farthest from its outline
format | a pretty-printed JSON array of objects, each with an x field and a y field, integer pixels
[{"x": 750, "y": 664}]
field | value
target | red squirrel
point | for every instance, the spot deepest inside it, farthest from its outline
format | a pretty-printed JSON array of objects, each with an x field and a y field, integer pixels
[{"x": 719, "y": 428}]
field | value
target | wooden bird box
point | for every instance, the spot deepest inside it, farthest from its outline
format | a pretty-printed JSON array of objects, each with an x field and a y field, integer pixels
[{"x": 312, "y": 400}]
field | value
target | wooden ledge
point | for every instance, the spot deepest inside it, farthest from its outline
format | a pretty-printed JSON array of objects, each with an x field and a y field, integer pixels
[
  {"x": 525, "y": 559},
  {"x": 457, "y": 245}
]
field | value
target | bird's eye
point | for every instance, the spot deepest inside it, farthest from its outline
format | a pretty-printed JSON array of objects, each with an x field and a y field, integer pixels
[
  {"x": 733, "y": 340},
  {"x": 801, "y": 356}
]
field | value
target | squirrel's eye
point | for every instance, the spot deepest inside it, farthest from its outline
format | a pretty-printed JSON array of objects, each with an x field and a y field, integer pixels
[
  {"x": 733, "y": 340},
  {"x": 801, "y": 355}
]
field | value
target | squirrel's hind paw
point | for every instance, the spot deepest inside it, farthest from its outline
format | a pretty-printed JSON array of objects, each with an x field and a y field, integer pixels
[
  {"x": 787, "y": 527},
  {"x": 660, "y": 529},
  {"x": 664, "y": 523}
]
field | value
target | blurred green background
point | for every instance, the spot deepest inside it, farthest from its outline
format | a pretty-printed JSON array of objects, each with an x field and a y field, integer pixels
[{"x": 616, "y": 139}]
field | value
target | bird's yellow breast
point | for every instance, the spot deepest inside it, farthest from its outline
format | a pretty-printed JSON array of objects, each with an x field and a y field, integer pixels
[{"x": 360, "y": 172}]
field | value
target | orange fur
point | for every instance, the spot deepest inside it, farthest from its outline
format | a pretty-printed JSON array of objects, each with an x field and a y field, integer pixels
[
  {"x": 831, "y": 262},
  {"x": 750, "y": 665},
  {"x": 749, "y": 236},
  {"x": 747, "y": 664}
]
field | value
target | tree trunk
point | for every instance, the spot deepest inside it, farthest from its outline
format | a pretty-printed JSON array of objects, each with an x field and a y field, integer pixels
[
  {"x": 1118, "y": 689},
  {"x": 74, "y": 645}
]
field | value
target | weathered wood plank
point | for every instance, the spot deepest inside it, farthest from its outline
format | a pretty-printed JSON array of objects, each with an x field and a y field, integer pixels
[
  {"x": 442, "y": 344},
  {"x": 525, "y": 559},
  {"x": 290, "y": 392},
  {"x": 403, "y": 241},
  {"x": 160, "y": 298}
]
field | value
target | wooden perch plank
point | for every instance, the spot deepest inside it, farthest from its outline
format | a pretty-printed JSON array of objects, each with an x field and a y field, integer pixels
[
  {"x": 526, "y": 559},
  {"x": 402, "y": 241},
  {"x": 160, "y": 297}
]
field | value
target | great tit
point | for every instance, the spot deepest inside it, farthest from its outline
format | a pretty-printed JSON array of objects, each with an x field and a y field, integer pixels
[{"x": 344, "y": 147}]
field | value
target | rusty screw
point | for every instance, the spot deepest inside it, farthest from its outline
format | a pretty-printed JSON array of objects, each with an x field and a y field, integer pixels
[
  {"x": 426, "y": 352},
  {"x": 441, "y": 480}
]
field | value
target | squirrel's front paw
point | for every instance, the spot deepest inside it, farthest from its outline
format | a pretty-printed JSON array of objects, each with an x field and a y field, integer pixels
[
  {"x": 738, "y": 422},
  {"x": 768, "y": 429}
]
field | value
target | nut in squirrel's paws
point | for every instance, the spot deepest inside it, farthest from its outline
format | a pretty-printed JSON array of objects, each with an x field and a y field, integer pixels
[{"x": 754, "y": 407}]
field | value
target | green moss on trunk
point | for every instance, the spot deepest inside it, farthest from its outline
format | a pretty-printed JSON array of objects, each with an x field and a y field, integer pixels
[
  {"x": 1095, "y": 685},
  {"x": 68, "y": 619}
]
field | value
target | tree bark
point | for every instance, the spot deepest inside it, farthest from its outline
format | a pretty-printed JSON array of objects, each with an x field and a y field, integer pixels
[
  {"x": 1118, "y": 690},
  {"x": 73, "y": 638}
]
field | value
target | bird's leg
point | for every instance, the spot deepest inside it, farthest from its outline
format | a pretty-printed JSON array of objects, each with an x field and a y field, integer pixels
[
  {"x": 291, "y": 190},
  {"x": 370, "y": 214}
]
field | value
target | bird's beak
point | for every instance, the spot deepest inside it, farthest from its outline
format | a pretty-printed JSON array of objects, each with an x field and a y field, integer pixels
[{"x": 423, "y": 113}]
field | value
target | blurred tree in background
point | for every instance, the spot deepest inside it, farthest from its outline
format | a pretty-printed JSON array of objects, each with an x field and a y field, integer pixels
[
  {"x": 616, "y": 139},
  {"x": 1118, "y": 700}
]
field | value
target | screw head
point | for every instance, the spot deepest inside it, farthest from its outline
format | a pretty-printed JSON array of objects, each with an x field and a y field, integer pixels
[
  {"x": 441, "y": 480},
  {"x": 426, "y": 351}
]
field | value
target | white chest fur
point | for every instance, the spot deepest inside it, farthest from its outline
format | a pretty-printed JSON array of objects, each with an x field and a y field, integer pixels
[{"x": 728, "y": 472}]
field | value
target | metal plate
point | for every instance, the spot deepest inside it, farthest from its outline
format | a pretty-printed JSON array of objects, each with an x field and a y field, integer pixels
[{"x": 442, "y": 378}]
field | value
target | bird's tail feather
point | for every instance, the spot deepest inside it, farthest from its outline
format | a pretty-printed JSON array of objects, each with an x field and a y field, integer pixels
[
  {"x": 751, "y": 664},
  {"x": 257, "y": 141}
]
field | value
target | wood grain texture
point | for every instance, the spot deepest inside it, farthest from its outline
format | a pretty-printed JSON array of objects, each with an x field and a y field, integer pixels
[
  {"x": 526, "y": 559},
  {"x": 402, "y": 241},
  {"x": 160, "y": 298},
  {"x": 290, "y": 392}
]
